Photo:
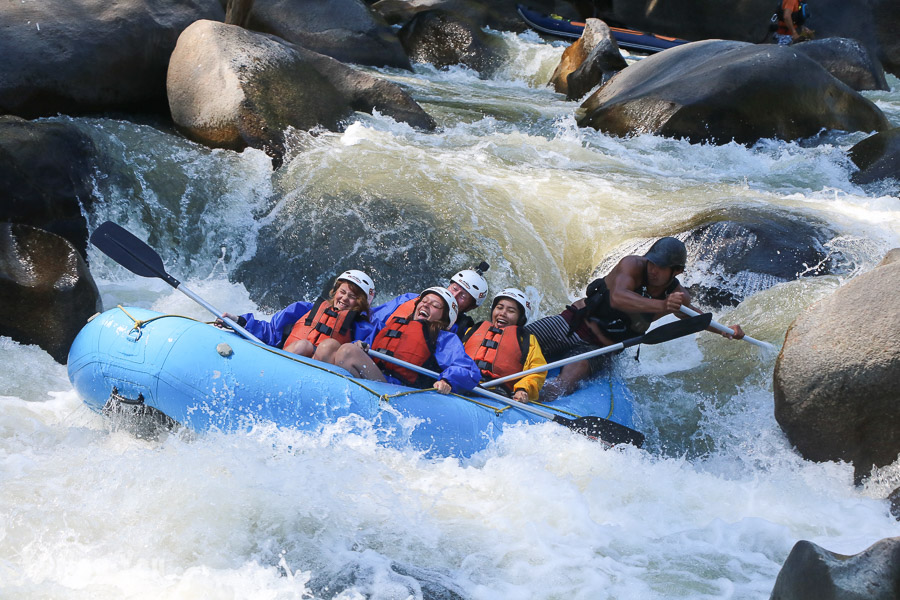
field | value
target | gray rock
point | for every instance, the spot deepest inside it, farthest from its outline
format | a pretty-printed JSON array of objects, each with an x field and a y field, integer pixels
[
  {"x": 718, "y": 91},
  {"x": 814, "y": 573},
  {"x": 837, "y": 376},
  {"x": 877, "y": 156},
  {"x": 92, "y": 55},
  {"x": 848, "y": 60},
  {"x": 443, "y": 40},
  {"x": 588, "y": 62},
  {"x": 232, "y": 88},
  {"x": 46, "y": 174},
  {"x": 46, "y": 290},
  {"x": 342, "y": 29}
]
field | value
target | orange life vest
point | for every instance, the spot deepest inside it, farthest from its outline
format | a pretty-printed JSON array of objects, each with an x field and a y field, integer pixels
[
  {"x": 409, "y": 341},
  {"x": 323, "y": 322},
  {"x": 497, "y": 352},
  {"x": 404, "y": 309}
]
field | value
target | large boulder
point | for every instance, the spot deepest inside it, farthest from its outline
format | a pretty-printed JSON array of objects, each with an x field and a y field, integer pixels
[
  {"x": 444, "y": 40},
  {"x": 877, "y": 156},
  {"x": 873, "y": 22},
  {"x": 342, "y": 29},
  {"x": 90, "y": 56},
  {"x": 232, "y": 88},
  {"x": 837, "y": 375},
  {"x": 591, "y": 61},
  {"x": 718, "y": 91},
  {"x": 848, "y": 60},
  {"x": 46, "y": 175},
  {"x": 738, "y": 253},
  {"x": 814, "y": 573},
  {"x": 46, "y": 290}
]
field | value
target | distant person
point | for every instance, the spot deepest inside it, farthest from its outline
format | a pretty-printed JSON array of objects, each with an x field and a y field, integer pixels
[
  {"x": 419, "y": 337},
  {"x": 502, "y": 347},
  {"x": 317, "y": 329},
  {"x": 790, "y": 18},
  {"x": 620, "y": 306}
]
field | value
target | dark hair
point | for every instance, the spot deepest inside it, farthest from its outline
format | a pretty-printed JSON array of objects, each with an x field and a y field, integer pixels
[
  {"x": 522, "y": 318},
  {"x": 434, "y": 326}
]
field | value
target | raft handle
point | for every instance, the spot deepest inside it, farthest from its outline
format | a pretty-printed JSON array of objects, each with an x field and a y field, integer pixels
[{"x": 116, "y": 398}]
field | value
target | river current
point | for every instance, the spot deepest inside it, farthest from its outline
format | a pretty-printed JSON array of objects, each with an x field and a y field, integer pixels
[{"x": 709, "y": 508}]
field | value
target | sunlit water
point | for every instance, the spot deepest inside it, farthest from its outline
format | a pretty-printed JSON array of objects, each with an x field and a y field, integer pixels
[{"x": 709, "y": 508}]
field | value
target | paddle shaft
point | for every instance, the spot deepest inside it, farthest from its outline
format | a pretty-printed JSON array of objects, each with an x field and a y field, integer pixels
[
  {"x": 187, "y": 292},
  {"x": 725, "y": 329},
  {"x": 138, "y": 257},
  {"x": 561, "y": 362},
  {"x": 665, "y": 333},
  {"x": 482, "y": 392}
]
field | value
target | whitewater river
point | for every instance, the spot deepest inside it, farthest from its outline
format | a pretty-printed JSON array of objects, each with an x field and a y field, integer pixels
[{"x": 709, "y": 508}]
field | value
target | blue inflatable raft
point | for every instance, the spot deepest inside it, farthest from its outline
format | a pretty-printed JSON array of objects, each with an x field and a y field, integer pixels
[
  {"x": 627, "y": 38},
  {"x": 205, "y": 378}
]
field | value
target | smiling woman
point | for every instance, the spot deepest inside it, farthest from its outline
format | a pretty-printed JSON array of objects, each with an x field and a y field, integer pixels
[
  {"x": 317, "y": 329},
  {"x": 501, "y": 347},
  {"x": 421, "y": 338}
]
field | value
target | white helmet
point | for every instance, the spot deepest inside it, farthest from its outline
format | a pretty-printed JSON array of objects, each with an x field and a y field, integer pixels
[
  {"x": 472, "y": 282},
  {"x": 452, "y": 306},
  {"x": 360, "y": 279},
  {"x": 519, "y": 297}
]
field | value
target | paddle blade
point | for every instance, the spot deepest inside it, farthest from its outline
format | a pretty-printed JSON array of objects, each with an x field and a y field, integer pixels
[
  {"x": 132, "y": 253},
  {"x": 679, "y": 328},
  {"x": 603, "y": 429}
]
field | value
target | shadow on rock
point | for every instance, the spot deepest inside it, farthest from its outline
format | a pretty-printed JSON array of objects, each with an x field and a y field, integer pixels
[{"x": 46, "y": 290}]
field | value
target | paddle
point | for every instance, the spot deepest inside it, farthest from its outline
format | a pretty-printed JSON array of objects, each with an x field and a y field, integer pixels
[
  {"x": 123, "y": 247},
  {"x": 664, "y": 333},
  {"x": 724, "y": 329},
  {"x": 593, "y": 427}
]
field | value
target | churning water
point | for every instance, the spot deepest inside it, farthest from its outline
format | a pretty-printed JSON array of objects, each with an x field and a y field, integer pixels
[{"x": 709, "y": 508}]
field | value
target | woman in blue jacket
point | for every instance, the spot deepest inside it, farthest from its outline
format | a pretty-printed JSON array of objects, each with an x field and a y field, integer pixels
[
  {"x": 317, "y": 329},
  {"x": 420, "y": 337}
]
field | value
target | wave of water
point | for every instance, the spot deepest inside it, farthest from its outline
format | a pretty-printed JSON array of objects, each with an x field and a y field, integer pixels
[{"x": 709, "y": 509}]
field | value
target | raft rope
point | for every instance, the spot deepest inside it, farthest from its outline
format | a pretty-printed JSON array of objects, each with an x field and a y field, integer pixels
[{"x": 138, "y": 324}]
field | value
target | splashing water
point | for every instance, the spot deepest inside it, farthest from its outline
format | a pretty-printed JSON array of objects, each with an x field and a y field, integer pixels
[{"x": 708, "y": 509}]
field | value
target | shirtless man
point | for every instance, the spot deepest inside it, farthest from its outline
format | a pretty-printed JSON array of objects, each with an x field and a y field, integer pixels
[{"x": 620, "y": 306}]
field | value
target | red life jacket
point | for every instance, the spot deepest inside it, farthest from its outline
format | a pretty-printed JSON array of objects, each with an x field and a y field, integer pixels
[
  {"x": 410, "y": 341},
  {"x": 497, "y": 352},
  {"x": 323, "y": 322}
]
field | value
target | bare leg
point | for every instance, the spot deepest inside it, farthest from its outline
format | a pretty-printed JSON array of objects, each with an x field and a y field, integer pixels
[
  {"x": 565, "y": 382},
  {"x": 352, "y": 358},
  {"x": 326, "y": 349},
  {"x": 301, "y": 347}
]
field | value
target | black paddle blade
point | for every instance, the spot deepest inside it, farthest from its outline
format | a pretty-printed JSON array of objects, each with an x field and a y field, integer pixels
[
  {"x": 603, "y": 429},
  {"x": 129, "y": 251},
  {"x": 679, "y": 328}
]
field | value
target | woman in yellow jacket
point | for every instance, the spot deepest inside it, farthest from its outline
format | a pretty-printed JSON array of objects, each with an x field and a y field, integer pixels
[{"x": 501, "y": 346}]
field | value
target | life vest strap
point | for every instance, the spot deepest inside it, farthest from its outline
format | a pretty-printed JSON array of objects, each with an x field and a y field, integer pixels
[
  {"x": 323, "y": 328},
  {"x": 393, "y": 333},
  {"x": 490, "y": 344}
]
